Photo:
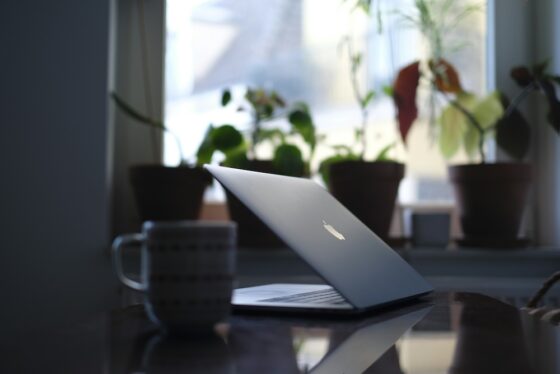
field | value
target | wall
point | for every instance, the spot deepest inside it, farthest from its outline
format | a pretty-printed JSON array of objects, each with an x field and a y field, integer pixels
[
  {"x": 54, "y": 179},
  {"x": 547, "y": 155},
  {"x": 526, "y": 32}
]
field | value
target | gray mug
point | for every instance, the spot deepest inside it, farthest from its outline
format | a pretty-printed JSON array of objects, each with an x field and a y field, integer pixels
[{"x": 187, "y": 272}]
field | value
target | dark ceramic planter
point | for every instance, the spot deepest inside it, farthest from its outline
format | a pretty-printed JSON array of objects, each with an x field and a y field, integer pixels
[
  {"x": 491, "y": 199},
  {"x": 251, "y": 231},
  {"x": 168, "y": 193},
  {"x": 368, "y": 190},
  {"x": 491, "y": 345}
]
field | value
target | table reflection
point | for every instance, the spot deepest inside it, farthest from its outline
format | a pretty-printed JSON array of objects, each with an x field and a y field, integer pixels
[
  {"x": 462, "y": 334},
  {"x": 502, "y": 351},
  {"x": 257, "y": 345},
  {"x": 369, "y": 344},
  {"x": 206, "y": 354}
]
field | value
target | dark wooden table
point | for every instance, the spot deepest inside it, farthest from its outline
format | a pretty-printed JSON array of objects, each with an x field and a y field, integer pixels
[{"x": 445, "y": 333}]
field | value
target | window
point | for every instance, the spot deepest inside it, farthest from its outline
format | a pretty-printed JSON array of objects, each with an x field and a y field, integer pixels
[{"x": 292, "y": 46}]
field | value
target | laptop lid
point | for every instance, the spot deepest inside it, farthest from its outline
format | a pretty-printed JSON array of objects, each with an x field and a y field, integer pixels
[{"x": 338, "y": 246}]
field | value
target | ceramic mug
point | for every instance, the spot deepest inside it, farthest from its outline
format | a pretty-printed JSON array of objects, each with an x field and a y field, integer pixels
[{"x": 187, "y": 272}]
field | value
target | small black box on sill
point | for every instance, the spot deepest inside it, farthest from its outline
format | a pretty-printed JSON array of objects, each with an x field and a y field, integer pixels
[{"x": 430, "y": 229}]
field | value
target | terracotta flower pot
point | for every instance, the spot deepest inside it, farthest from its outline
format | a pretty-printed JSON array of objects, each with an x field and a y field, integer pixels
[
  {"x": 168, "y": 193},
  {"x": 368, "y": 190},
  {"x": 251, "y": 231},
  {"x": 491, "y": 199}
]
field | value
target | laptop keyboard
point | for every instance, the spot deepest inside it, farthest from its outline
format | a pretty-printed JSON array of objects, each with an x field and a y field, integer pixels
[{"x": 329, "y": 296}]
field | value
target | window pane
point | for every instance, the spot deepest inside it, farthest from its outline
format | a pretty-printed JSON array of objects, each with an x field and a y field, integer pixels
[{"x": 293, "y": 46}]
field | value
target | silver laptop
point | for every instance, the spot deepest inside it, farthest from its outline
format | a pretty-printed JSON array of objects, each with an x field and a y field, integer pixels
[{"x": 361, "y": 271}]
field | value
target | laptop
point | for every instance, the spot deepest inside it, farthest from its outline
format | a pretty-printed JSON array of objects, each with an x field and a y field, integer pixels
[{"x": 361, "y": 272}]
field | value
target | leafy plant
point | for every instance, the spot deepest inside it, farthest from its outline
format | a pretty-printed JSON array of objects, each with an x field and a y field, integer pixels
[
  {"x": 346, "y": 153},
  {"x": 467, "y": 121},
  {"x": 364, "y": 98},
  {"x": 510, "y": 127},
  {"x": 263, "y": 106},
  {"x": 435, "y": 19},
  {"x": 537, "y": 79}
]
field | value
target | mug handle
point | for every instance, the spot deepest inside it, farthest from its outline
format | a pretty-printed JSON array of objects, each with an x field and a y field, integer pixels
[{"x": 118, "y": 244}]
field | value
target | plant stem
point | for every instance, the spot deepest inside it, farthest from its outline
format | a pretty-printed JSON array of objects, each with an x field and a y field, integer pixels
[
  {"x": 160, "y": 126},
  {"x": 365, "y": 115},
  {"x": 358, "y": 96},
  {"x": 147, "y": 121},
  {"x": 433, "y": 92},
  {"x": 519, "y": 98},
  {"x": 473, "y": 121},
  {"x": 255, "y": 135}
]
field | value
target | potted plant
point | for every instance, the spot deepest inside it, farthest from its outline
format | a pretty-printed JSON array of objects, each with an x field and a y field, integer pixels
[
  {"x": 263, "y": 106},
  {"x": 368, "y": 188},
  {"x": 165, "y": 192},
  {"x": 490, "y": 197}
]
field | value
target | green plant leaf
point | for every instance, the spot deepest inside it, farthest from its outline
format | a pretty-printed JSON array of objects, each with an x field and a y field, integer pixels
[
  {"x": 344, "y": 150},
  {"x": 368, "y": 98},
  {"x": 513, "y": 133},
  {"x": 488, "y": 110},
  {"x": 147, "y": 121},
  {"x": 300, "y": 119},
  {"x": 265, "y": 111},
  {"x": 251, "y": 95},
  {"x": 206, "y": 149},
  {"x": 364, "y": 5},
  {"x": 288, "y": 160},
  {"x": 471, "y": 142},
  {"x": 301, "y": 105},
  {"x": 388, "y": 90},
  {"x": 277, "y": 99},
  {"x": 263, "y": 103},
  {"x": 226, "y": 137},
  {"x": 358, "y": 134},
  {"x": 236, "y": 157},
  {"x": 133, "y": 113},
  {"x": 383, "y": 155},
  {"x": 303, "y": 124},
  {"x": 454, "y": 124},
  {"x": 356, "y": 62},
  {"x": 226, "y": 97}
]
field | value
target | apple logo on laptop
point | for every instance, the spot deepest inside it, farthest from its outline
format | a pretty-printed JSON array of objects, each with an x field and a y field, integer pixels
[{"x": 333, "y": 231}]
